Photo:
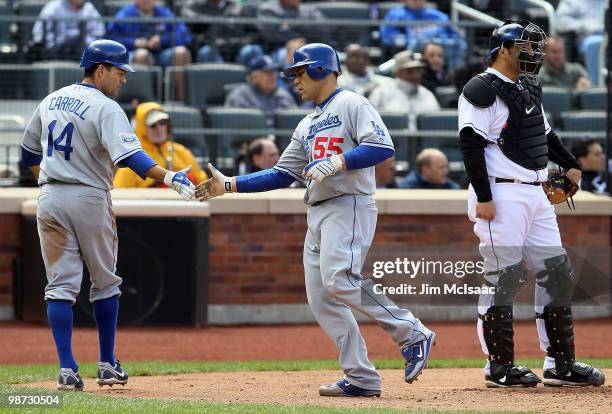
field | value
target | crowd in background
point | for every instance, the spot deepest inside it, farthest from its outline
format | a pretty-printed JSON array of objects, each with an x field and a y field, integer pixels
[{"x": 427, "y": 58}]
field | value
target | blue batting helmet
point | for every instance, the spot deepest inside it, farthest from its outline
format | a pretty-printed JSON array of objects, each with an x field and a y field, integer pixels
[
  {"x": 320, "y": 59},
  {"x": 528, "y": 37},
  {"x": 106, "y": 51}
]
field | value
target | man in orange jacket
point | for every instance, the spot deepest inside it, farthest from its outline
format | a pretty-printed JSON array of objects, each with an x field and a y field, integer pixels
[{"x": 153, "y": 129}]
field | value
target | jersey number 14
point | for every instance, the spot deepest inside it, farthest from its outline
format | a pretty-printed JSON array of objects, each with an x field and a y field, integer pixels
[{"x": 56, "y": 144}]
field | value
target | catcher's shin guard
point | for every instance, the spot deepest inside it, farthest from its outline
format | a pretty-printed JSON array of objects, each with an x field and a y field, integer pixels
[
  {"x": 498, "y": 334},
  {"x": 557, "y": 315},
  {"x": 497, "y": 327}
]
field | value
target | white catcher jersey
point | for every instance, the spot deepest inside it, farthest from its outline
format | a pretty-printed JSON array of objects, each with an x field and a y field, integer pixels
[
  {"x": 489, "y": 122},
  {"x": 82, "y": 135},
  {"x": 338, "y": 125}
]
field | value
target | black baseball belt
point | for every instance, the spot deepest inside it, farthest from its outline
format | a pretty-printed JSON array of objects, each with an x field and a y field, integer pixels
[{"x": 508, "y": 180}]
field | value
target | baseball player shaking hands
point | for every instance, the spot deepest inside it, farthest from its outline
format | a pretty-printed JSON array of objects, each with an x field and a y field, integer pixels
[
  {"x": 333, "y": 151},
  {"x": 507, "y": 143},
  {"x": 74, "y": 142}
]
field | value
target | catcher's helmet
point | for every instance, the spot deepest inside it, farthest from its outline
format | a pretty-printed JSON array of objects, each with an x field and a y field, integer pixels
[
  {"x": 106, "y": 51},
  {"x": 528, "y": 37},
  {"x": 320, "y": 59}
]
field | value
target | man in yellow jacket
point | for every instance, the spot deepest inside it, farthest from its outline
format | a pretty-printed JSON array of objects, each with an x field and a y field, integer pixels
[{"x": 153, "y": 129}]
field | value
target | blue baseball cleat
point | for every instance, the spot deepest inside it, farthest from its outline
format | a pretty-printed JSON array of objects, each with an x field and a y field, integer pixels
[
  {"x": 416, "y": 356},
  {"x": 68, "y": 380},
  {"x": 343, "y": 388},
  {"x": 111, "y": 375}
]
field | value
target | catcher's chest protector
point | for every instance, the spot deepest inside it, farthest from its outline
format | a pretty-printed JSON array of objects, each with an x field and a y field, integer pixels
[{"x": 523, "y": 138}]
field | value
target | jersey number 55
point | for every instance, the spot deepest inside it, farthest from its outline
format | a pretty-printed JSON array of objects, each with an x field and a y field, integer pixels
[{"x": 323, "y": 146}]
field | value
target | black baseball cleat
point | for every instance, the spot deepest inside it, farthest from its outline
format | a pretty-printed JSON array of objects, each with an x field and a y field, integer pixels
[
  {"x": 111, "y": 375},
  {"x": 579, "y": 374},
  {"x": 68, "y": 380},
  {"x": 503, "y": 376}
]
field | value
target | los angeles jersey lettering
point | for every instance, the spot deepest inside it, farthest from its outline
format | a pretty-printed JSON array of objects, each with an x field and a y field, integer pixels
[{"x": 344, "y": 121}]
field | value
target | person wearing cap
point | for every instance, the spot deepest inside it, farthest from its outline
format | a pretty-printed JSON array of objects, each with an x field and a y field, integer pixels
[
  {"x": 262, "y": 90},
  {"x": 154, "y": 132},
  {"x": 406, "y": 94}
]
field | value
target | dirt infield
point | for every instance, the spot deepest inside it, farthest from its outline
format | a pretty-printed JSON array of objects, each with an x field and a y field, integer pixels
[
  {"x": 33, "y": 344},
  {"x": 447, "y": 389}
]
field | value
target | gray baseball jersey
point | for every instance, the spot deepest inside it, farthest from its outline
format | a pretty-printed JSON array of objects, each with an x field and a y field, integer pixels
[
  {"x": 341, "y": 230},
  {"x": 338, "y": 125},
  {"x": 82, "y": 135}
]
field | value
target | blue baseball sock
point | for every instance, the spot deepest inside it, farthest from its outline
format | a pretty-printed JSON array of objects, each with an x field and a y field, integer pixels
[
  {"x": 59, "y": 313},
  {"x": 105, "y": 313}
]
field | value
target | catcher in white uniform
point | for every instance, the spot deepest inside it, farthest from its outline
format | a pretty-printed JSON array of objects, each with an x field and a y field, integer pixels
[
  {"x": 507, "y": 144},
  {"x": 333, "y": 151}
]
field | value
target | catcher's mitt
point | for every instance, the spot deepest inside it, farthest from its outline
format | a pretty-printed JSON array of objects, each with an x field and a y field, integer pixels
[{"x": 559, "y": 188}]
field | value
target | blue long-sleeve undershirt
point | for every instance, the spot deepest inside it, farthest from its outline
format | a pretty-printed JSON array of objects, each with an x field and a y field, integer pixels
[
  {"x": 265, "y": 180},
  {"x": 364, "y": 156}
]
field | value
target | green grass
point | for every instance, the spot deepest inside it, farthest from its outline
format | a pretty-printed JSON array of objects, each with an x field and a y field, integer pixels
[
  {"x": 18, "y": 374},
  {"x": 92, "y": 403}
]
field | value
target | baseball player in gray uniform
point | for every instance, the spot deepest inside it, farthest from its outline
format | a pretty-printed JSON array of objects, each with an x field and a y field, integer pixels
[
  {"x": 333, "y": 151},
  {"x": 73, "y": 144}
]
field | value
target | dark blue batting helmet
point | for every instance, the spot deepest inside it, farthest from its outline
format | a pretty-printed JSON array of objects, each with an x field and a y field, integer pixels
[
  {"x": 106, "y": 51},
  {"x": 320, "y": 60}
]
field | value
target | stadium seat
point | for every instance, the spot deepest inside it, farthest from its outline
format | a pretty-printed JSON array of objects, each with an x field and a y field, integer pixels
[
  {"x": 144, "y": 85},
  {"x": 594, "y": 99},
  {"x": 205, "y": 82},
  {"x": 27, "y": 8},
  {"x": 17, "y": 124},
  {"x": 113, "y": 6},
  {"x": 556, "y": 100},
  {"x": 445, "y": 120},
  {"x": 447, "y": 96},
  {"x": 288, "y": 119},
  {"x": 8, "y": 44},
  {"x": 50, "y": 76},
  {"x": 584, "y": 121},
  {"x": 344, "y": 35},
  {"x": 233, "y": 118},
  {"x": 182, "y": 117},
  {"x": 399, "y": 121}
]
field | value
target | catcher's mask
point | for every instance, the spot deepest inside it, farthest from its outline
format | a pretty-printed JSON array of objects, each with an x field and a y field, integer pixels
[{"x": 530, "y": 41}]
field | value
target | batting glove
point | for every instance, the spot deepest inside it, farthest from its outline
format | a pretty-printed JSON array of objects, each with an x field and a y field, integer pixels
[
  {"x": 179, "y": 182},
  {"x": 218, "y": 185},
  {"x": 319, "y": 169}
]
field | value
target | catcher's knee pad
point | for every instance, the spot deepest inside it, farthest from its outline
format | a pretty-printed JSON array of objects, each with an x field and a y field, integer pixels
[
  {"x": 498, "y": 334},
  {"x": 559, "y": 326},
  {"x": 557, "y": 279},
  {"x": 509, "y": 282}
]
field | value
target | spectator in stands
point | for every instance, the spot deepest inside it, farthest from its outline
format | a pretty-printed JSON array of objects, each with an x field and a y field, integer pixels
[
  {"x": 414, "y": 35},
  {"x": 66, "y": 37},
  {"x": 163, "y": 44},
  {"x": 592, "y": 159},
  {"x": 431, "y": 172},
  {"x": 262, "y": 154},
  {"x": 153, "y": 128},
  {"x": 210, "y": 37},
  {"x": 357, "y": 75},
  {"x": 276, "y": 35},
  {"x": 557, "y": 71},
  {"x": 434, "y": 74},
  {"x": 262, "y": 90},
  {"x": 259, "y": 154},
  {"x": 584, "y": 18},
  {"x": 406, "y": 94},
  {"x": 385, "y": 174}
]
